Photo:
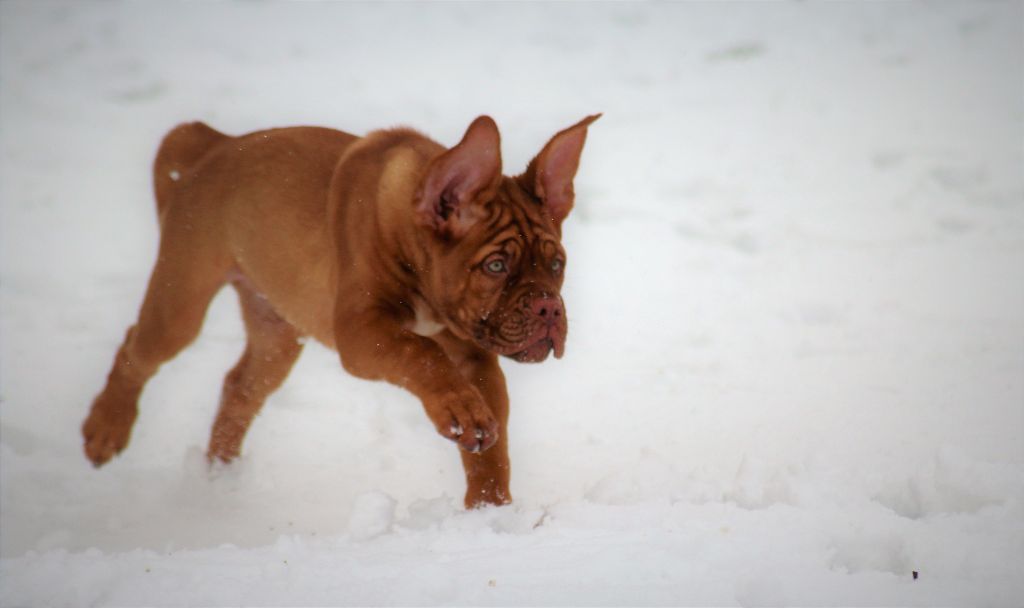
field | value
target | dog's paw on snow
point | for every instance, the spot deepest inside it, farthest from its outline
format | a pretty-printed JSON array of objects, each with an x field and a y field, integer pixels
[{"x": 196, "y": 464}]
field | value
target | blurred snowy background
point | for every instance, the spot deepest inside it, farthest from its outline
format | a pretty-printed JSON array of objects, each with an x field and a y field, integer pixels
[{"x": 795, "y": 372}]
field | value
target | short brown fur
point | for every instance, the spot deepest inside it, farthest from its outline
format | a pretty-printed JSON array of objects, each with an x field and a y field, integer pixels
[{"x": 419, "y": 265}]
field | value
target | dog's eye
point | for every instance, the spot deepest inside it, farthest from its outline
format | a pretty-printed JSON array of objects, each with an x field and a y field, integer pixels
[
  {"x": 496, "y": 266},
  {"x": 556, "y": 266}
]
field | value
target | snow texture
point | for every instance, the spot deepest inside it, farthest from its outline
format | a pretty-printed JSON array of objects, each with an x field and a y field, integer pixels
[{"x": 795, "y": 371}]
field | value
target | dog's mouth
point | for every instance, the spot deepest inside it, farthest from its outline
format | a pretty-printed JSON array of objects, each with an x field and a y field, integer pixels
[
  {"x": 536, "y": 352},
  {"x": 522, "y": 337},
  {"x": 535, "y": 349}
]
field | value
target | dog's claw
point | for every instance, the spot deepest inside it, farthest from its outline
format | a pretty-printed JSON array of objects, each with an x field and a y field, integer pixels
[{"x": 464, "y": 418}]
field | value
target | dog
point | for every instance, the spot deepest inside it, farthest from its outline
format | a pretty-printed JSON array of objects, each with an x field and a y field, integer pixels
[{"x": 419, "y": 265}]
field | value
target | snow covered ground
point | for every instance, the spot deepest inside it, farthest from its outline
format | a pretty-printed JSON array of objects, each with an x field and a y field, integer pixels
[{"x": 795, "y": 372}]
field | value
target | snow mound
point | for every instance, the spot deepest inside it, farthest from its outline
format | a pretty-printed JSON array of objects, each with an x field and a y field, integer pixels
[{"x": 373, "y": 514}]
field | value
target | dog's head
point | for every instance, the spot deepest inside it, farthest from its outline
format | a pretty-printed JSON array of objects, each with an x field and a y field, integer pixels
[{"x": 498, "y": 261}]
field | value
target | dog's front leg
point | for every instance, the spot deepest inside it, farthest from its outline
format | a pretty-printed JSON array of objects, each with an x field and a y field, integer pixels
[
  {"x": 487, "y": 473},
  {"x": 374, "y": 345}
]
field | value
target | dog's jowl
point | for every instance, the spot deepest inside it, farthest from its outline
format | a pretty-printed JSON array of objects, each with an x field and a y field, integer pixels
[{"x": 420, "y": 265}]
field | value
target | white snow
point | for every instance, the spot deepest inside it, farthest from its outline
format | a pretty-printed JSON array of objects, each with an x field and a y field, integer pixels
[
  {"x": 795, "y": 369},
  {"x": 372, "y": 515}
]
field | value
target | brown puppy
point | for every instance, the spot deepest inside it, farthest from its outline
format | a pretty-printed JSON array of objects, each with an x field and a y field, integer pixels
[{"x": 418, "y": 264}]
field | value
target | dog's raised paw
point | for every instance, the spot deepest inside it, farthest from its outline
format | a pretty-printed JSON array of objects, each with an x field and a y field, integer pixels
[{"x": 466, "y": 420}]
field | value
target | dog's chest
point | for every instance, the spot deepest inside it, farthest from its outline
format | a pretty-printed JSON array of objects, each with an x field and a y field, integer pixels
[{"x": 426, "y": 323}]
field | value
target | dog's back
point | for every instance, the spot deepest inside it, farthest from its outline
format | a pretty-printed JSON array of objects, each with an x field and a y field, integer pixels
[{"x": 254, "y": 206}]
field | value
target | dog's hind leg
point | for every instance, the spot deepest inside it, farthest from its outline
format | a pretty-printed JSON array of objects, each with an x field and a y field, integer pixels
[
  {"x": 271, "y": 349},
  {"x": 190, "y": 269}
]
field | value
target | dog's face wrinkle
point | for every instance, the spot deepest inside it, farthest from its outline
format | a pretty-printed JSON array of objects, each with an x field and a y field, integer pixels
[{"x": 495, "y": 310}]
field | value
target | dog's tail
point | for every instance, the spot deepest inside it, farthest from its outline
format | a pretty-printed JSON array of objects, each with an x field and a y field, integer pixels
[{"x": 179, "y": 151}]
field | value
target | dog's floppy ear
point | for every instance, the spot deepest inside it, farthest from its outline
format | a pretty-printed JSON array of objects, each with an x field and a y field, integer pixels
[
  {"x": 457, "y": 178},
  {"x": 549, "y": 175}
]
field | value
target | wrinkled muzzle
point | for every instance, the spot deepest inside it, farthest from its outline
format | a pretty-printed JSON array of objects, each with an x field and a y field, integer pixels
[{"x": 531, "y": 331}]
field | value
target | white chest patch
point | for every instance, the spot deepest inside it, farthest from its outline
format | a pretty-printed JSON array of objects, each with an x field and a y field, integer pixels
[{"x": 426, "y": 324}]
